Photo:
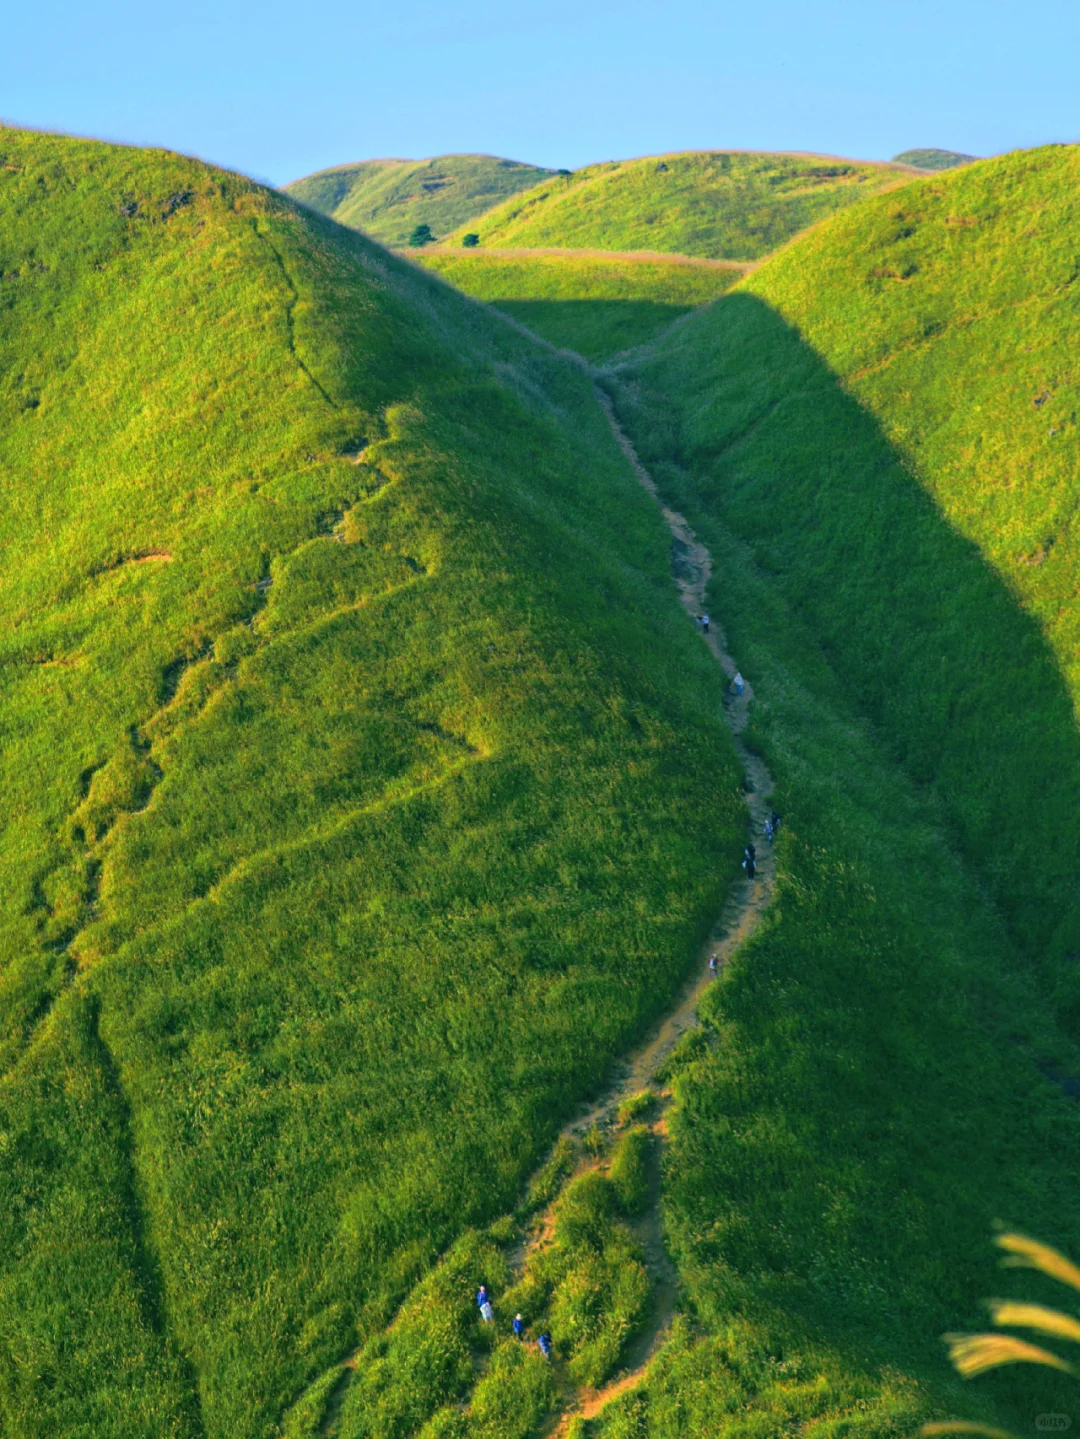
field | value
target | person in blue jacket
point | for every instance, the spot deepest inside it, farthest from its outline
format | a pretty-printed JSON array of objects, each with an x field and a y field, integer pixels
[{"x": 519, "y": 1325}]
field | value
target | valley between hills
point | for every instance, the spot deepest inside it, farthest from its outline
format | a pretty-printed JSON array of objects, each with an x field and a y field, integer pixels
[{"x": 377, "y": 921}]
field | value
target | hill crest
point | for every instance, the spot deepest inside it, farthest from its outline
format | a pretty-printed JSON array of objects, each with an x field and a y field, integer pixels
[
  {"x": 387, "y": 199},
  {"x": 715, "y": 204}
]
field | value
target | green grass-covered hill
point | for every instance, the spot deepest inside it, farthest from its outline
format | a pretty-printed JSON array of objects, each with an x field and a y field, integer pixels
[
  {"x": 595, "y": 304},
  {"x": 387, "y": 199},
  {"x": 725, "y": 205},
  {"x": 876, "y": 434},
  {"x": 367, "y": 793},
  {"x": 365, "y": 789}
]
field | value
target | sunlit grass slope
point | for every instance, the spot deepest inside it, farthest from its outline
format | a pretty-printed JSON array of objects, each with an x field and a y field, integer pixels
[
  {"x": 720, "y": 205},
  {"x": 364, "y": 790},
  {"x": 595, "y": 305},
  {"x": 387, "y": 199},
  {"x": 863, "y": 432}
]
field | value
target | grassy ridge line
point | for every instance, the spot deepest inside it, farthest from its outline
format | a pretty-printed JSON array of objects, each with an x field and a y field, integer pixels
[
  {"x": 716, "y": 204},
  {"x": 595, "y": 304},
  {"x": 319, "y": 1056},
  {"x": 875, "y": 1095},
  {"x": 388, "y": 198}
]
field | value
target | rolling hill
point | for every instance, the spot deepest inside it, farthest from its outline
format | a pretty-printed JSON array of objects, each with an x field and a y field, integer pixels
[
  {"x": 387, "y": 199},
  {"x": 369, "y": 793},
  {"x": 366, "y": 790},
  {"x": 875, "y": 434},
  {"x": 737, "y": 205}
]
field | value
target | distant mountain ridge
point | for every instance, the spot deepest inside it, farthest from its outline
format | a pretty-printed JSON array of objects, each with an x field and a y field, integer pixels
[
  {"x": 933, "y": 159},
  {"x": 387, "y": 199}
]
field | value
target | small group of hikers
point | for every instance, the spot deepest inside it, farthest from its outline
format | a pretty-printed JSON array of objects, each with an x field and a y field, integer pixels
[
  {"x": 738, "y": 684},
  {"x": 771, "y": 829},
  {"x": 487, "y": 1314}
]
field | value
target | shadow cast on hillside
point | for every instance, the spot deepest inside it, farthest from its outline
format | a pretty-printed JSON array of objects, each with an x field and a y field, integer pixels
[
  {"x": 597, "y": 329},
  {"x": 925, "y": 636}
]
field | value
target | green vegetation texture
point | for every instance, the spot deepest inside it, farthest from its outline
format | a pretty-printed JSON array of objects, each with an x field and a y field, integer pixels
[
  {"x": 387, "y": 199},
  {"x": 365, "y": 790},
  {"x": 933, "y": 159},
  {"x": 943, "y": 587},
  {"x": 595, "y": 305},
  {"x": 439, "y": 1369},
  {"x": 718, "y": 205},
  {"x": 874, "y": 435}
]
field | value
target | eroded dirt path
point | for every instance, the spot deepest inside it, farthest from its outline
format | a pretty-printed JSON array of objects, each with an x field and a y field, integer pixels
[{"x": 690, "y": 567}]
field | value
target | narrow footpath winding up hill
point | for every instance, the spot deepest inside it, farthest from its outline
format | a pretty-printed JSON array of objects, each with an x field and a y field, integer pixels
[
  {"x": 874, "y": 436},
  {"x": 369, "y": 799},
  {"x": 365, "y": 791},
  {"x": 431, "y": 1373}
]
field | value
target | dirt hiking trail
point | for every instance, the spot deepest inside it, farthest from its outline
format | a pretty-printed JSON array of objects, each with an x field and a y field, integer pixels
[
  {"x": 690, "y": 568},
  {"x": 747, "y": 900}
]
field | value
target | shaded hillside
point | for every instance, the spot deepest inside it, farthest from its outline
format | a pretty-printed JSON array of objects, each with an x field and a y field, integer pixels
[
  {"x": 943, "y": 589},
  {"x": 365, "y": 791},
  {"x": 933, "y": 159},
  {"x": 720, "y": 205},
  {"x": 865, "y": 433},
  {"x": 387, "y": 199},
  {"x": 595, "y": 304}
]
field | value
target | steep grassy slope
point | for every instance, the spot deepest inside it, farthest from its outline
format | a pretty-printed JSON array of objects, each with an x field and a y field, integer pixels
[
  {"x": 719, "y": 205},
  {"x": 592, "y": 304},
  {"x": 942, "y": 583},
  {"x": 866, "y": 433},
  {"x": 388, "y": 198},
  {"x": 873, "y": 1100},
  {"x": 364, "y": 786}
]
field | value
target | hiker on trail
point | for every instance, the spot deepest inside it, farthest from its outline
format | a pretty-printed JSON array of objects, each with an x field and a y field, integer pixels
[
  {"x": 519, "y": 1326},
  {"x": 738, "y": 683},
  {"x": 544, "y": 1344},
  {"x": 768, "y": 830},
  {"x": 704, "y": 624},
  {"x": 714, "y": 965},
  {"x": 774, "y": 820},
  {"x": 750, "y": 861},
  {"x": 487, "y": 1314}
]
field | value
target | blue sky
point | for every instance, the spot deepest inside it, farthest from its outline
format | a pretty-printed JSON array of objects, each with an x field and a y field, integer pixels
[{"x": 279, "y": 90}]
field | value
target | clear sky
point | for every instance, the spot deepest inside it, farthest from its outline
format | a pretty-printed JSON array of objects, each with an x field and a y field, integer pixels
[{"x": 278, "y": 90}]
